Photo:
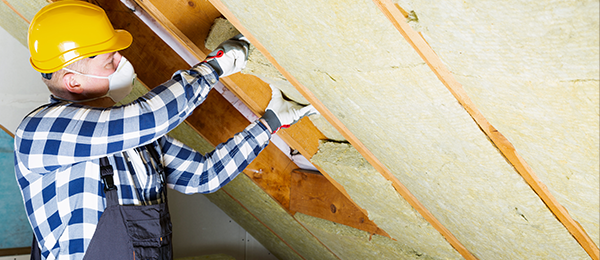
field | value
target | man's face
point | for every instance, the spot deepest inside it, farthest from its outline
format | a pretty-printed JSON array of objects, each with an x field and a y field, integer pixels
[{"x": 101, "y": 65}]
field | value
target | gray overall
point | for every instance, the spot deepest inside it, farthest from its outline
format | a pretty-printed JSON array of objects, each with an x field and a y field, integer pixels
[{"x": 128, "y": 232}]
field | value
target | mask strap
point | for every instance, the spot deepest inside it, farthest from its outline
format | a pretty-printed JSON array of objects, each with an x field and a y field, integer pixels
[{"x": 87, "y": 75}]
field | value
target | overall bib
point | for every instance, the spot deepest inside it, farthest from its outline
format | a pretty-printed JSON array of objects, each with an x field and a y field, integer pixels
[{"x": 128, "y": 232}]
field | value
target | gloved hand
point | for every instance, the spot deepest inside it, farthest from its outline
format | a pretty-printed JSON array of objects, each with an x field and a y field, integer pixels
[
  {"x": 281, "y": 113},
  {"x": 230, "y": 56}
]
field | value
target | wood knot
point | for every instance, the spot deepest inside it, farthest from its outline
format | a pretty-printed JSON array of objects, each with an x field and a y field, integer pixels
[
  {"x": 192, "y": 4},
  {"x": 333, "y": 208}
]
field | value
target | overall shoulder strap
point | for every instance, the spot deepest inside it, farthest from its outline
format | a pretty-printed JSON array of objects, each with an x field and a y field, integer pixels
[
  {"x": 159, "y": 168},
  {"x": 106, "y": 172}
]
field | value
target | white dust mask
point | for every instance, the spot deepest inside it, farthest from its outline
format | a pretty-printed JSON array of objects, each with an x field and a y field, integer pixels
[{"x": 120, "y": 83}]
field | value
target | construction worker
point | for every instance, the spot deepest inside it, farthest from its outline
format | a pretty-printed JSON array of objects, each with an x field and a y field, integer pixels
[{"x": 93, "y": 175}]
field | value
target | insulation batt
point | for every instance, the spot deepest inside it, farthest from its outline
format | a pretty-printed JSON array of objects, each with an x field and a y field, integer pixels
[
  {"x": 393, "y": 214},
  {"x": 259, "y": 66},
  {"x": 532, "y": 69},
  {"x": 351, "y": 243},
  {"x": 361, "y": 68}
]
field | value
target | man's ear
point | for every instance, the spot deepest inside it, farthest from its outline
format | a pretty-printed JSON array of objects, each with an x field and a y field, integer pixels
[{"x": 71, "y": 83}]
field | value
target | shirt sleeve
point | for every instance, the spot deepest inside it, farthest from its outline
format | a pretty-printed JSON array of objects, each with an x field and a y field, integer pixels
[
  {"x": 188, "y": 171},
  {"x": 69, "y": 133}
]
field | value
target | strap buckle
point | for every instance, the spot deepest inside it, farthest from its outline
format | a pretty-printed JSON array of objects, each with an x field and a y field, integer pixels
[
  {"x": 109, "y": 183},
  {"x": 106, "y": 171}
]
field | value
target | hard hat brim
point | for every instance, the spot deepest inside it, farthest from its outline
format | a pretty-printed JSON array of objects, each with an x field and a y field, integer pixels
[{"x": 121, "y": 40}]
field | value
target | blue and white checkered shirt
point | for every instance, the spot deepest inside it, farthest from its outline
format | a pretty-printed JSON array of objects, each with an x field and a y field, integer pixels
[{"x": 58, "y": 147}]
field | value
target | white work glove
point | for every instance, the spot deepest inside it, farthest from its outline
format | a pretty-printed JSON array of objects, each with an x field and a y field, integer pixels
[
  {"x": 230, "y": 56},
  {"x": 281, "y": 113}
]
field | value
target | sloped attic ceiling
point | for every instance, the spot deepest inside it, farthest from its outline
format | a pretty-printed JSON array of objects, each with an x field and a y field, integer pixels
[{"x": 476, "y": 137}]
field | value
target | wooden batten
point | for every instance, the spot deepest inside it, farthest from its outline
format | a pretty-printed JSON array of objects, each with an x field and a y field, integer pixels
[
  {"x": 217, "y": 120},
  {"x": 395, "y": 15},
  {"x": 15, "y": 11},
  {"x": 6, "y": 130}
]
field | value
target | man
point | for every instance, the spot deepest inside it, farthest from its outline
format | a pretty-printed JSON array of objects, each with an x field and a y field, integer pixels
[{"x": 93, "y": 176}]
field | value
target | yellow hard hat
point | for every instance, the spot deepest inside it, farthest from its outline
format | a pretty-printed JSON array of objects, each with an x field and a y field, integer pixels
[{"x": 67, "y": 31}]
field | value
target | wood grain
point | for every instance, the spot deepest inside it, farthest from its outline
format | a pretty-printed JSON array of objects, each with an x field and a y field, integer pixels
[{"x": 313, "y": 195}]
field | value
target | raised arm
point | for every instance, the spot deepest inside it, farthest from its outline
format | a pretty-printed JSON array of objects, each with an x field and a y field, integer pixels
[
  {"x": 68, "y": 133},
  {"x": 64, "y": 134},
  {"x": 188, "y": 171}
]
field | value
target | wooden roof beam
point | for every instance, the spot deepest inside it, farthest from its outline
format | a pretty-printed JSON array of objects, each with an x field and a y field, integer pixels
[
  {"x": 313, "y": 195},
  {"x": 216, "y": 119},
  {"x": 303, "y": 136},
  {"x": 356, "y": 143},
  {"x": 395, "y": 15},
  {"x": 155, "y": 62}
]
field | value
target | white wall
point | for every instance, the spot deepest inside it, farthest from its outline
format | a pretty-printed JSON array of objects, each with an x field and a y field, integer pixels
[
  {"x": 21, "y": 87},
  {"x": 200, "y": 227}
]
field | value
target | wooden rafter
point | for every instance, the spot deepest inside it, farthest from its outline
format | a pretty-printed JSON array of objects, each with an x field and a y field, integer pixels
[
  {"x": 216, "y": 119},
  {"x": 156, "y": 63},
  {"x": 313, "y": 195},
  {"x": 255, "y": 94},
  {"x": 394, "y": 14},
  {"x": 356, "y": 143}
]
